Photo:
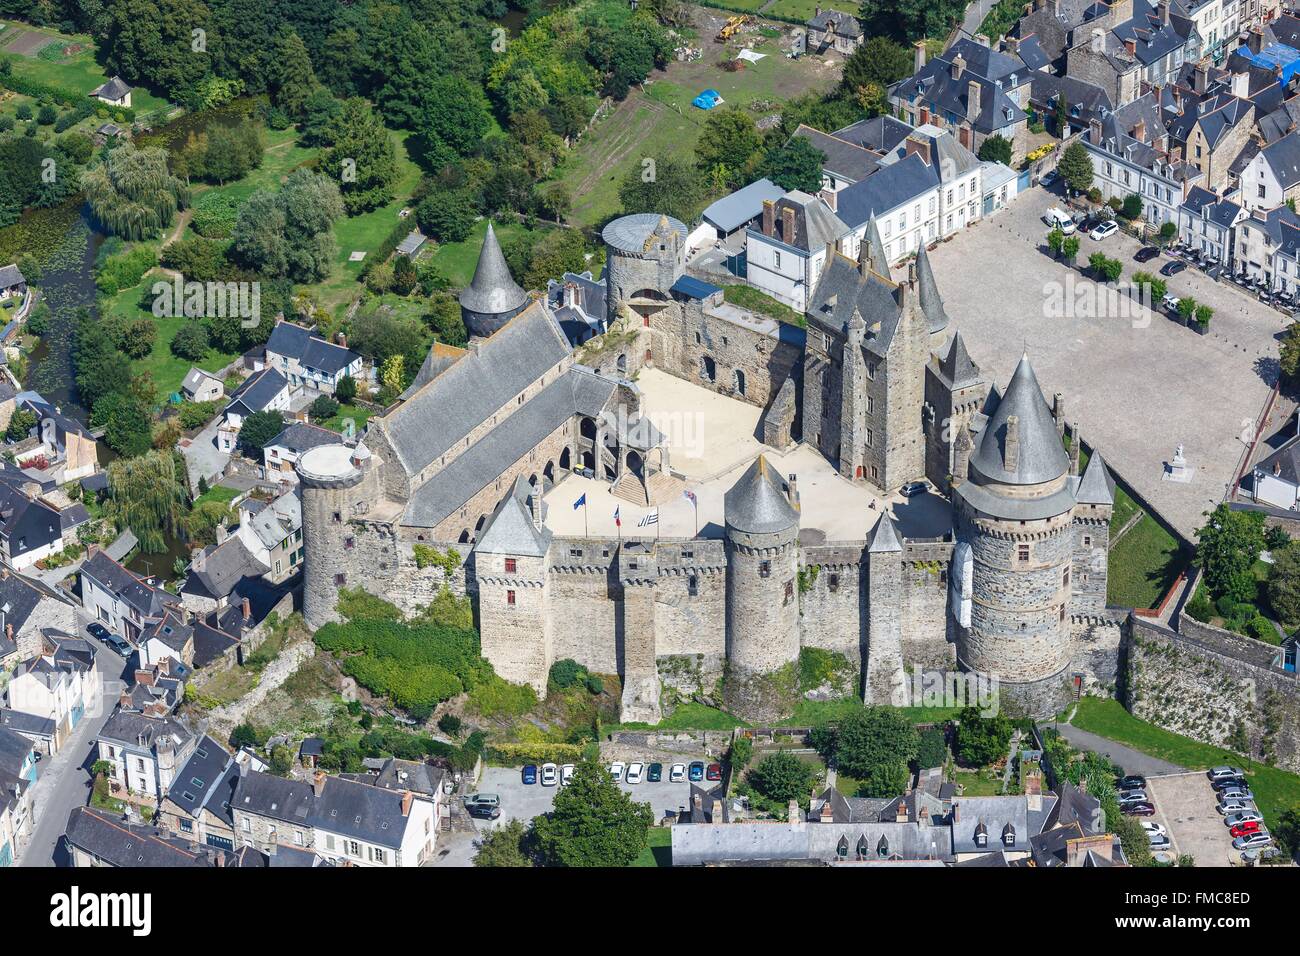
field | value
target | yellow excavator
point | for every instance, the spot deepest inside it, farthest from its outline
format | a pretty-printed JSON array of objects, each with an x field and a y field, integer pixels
[{"x": 731, "y": 27}]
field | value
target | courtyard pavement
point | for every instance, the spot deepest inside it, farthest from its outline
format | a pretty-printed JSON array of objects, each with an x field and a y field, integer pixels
[{"x": 1138, "y": 385}]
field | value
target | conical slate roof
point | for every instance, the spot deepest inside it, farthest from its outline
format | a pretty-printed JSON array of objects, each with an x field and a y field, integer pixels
[
  {"x": 876, "y": 245},
  {"x": 511, "y": 529},
  {"x": 493, "y": 290},
  {"x": 957, "y": 366},
  {"x": 1096, "y": 487},
  {"x": 1041, "y": 456},
  {"x": 756, "y": 504},
  {"x": 884, "y": 536},
  {"x": 931, "y": 302}
]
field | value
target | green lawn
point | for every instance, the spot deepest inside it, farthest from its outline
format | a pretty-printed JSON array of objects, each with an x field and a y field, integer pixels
[
  {"x": 747, "y": 297},
  {"x": 689, "y": 716},
  {"x": 218, "y": 493},
  {"x": 810, "y": 713},
  {"x": 283, "y": 155},
  {"x": 1275, "y": 790},
  {"x": 659, "y": 848},
  {"x": 358, "y": 415},
  {"x": 78, "y": 75},
  {"x": 802, "y": 10},
  {"x": 1143, "y": 566}
]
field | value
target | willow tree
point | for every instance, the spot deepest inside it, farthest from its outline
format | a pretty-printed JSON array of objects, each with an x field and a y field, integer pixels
[
  {"x": 147, "y": 495},
  {"x": 132, "y": 193}
]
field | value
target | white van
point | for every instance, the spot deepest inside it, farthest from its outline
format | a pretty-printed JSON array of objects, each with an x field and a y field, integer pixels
[{"x": 1057, "y": 219}]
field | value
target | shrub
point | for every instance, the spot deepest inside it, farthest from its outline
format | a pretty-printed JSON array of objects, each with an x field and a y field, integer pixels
[
  {"x": 933, "y": 749},
  {"x": 191, "y": 342},
  {"x": 499, "y": 698},
  {"x": 215, "y": 214},
  {"x": 781, "y": 777},
  {"x": 124, "y": 271},
  {"x": 566, "y": 673},
  {"x": 324, "y": 407},
  {"x": 449, "y": 724},
  {"x": 197, "y": 414},
  {"x": 594, "y": 684},
  {"x": 346, "y": 390}
]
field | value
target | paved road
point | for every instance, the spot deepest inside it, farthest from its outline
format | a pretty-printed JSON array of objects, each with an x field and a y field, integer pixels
[
  {"x": 64, "y": 781},
  {"x": 1132, "y": 761}
]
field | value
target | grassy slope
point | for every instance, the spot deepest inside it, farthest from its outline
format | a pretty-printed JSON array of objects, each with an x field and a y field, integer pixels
[
  {"x": 1275, "y": 790},
  {"x": 659, "y": 848},
  {"x": 1143, "y": 565}
]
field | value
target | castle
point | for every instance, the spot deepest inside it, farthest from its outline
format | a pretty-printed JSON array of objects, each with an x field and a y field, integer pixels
[{"x": 1011, "y": 584}]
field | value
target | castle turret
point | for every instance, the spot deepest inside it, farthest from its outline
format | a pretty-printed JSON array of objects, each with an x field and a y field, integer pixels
[
  {"x": 1015, "y": 512},
  {"x": 336, "y": 484},
  {"x": 885, "y": 683},
  {"x": 762, "y": 532},
  {"x": 936, "y": 317},
  {"x": 645, "y": 254},
  {"x": 493, "y": 298},
  {"x": 1094, "y": 505}
]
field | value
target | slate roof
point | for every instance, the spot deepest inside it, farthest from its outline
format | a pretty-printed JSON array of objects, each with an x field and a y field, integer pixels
[
  {"x": 258, "y": 390},
  {"x": 195, "y": 378},
  {"x": 1083, "y": 100},
  {"x": 844, "y": 159},
  {"x": 936, "y": 317},
  {"x": 135, "y": 730},
  {"x": 842, "y": 24},
  {"x": 1201, "y": 203},
  {"x": 1283, "y": 157},
  {"x": 298, "y": 437},
  {"x": 579, "y": 391},
  {"x": 884, "y": 537},
  {"x": 361, "y": 811},
  {"x": 10, "y": 276},
  {"x": 107, "y": 837},
  {"x": 987, "y": 62},
  {"x": 14, "y": 750},
  {"x": 1096, "y": 487},
  {"x": 511, "y": 530},
  {"x": 118, "y": 581},
  {"x": 755, "y": 842},
  {"x": 731, "y": 212},
  {"x": 896, "y": 184},
  {"x": 23, "y": 723},
  {"x": 492, "y": 291},
  {"x": 815, "y": 225},
  {"x": 276, "y": 798},
  {"x": 273, "y": 523},
  {"x": 114, "y": 89},
  {"x": 1286, "y": 461},
  {"x": 757, "y": 503},
  {"x": 206, "y": 782},
  {"x": 1077, "y": 805},
  {"x": 411, "y": 775},
  {"x": 842, "y": 290},
  {"x": 956, "y": 367},
  {"x": 21, "y": 596},
  {"x": 440, "y": 414},
  {"x": 935, "y": 86},
  {"x": 1042, "y": 456},
  {"x": 633, "y": 233},
  {"x": 994, "y": 814},
  {"x": 309, "y": 349},
  {"x": 880, "y": 133},
  {"x": 223, "y": 567}
]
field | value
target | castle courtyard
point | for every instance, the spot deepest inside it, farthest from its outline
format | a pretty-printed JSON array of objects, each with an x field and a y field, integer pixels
[
  {"x": 711, "y": 442},
  {"x": 1137, "y": 388}
]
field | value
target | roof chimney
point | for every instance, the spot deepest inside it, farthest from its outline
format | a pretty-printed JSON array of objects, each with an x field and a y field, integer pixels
[
  {"x": 318, "y": 782},
  {"x": 972, "y": 101},
  {"x": 1140, "y": 131},
  {"x": 769, "y": 217},
  {"x": 715, "y": 811},
  {"x": 1163, "y": 8},
  {"x": 792, "y": 813},
  {"x": 958, "y": 66},
  {"x": 246, "y": 608},
  {"x": 343, "y": 340},
  {"x": 792, "y": 491},
  {"x": 787, "y": 224},
  {"x": 407, "y": 797},
  {"x": 1098, "y": 41},
  {"x": 827, "y": 813},
  {"x": 1011, "y": 445},
  {"x": 982, "y": 40},
  {"x": 918, "y": 60}
]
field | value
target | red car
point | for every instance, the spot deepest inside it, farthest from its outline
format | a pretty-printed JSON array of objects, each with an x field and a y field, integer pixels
[
  {"x": 1138, "y": 810},
  {"x": 1244, "y": 829},
  {"x": 714, "y": 772}
]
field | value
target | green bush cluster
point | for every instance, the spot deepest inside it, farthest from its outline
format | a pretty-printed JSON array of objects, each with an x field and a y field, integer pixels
[
  {"x": 215, "y": 214},
  {"x": 496, "y": 697},
  {"x": 197, "y": 414},
  {"x": 125, "y": 270}
]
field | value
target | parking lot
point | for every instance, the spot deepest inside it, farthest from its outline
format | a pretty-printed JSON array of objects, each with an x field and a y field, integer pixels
[
  {"x": 1137, "y": 383},
  {"x": 1187, "y": 807},
  {"x": 524, "y": 801}
]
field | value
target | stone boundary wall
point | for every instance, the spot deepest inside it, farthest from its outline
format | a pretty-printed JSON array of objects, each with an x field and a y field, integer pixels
[{"x": 1216, "y": 687}]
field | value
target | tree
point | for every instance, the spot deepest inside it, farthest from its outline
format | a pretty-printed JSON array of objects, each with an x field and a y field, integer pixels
[
  {"x": 258, "y": 429},
  {"x": 21, "y": 424},
  {"x": 324, "y": 407},
  {"x": 126, "y": 423},
  {"x": 1226, "y": 548},
  {"x": 191, "y": 342},
  {"x": 1289, "y": 355},
  {"x": 781, "y": 777},
  {"x": 729, "y": 140},
  {"x": 504, "y": 846},
  {"x": 796, "y": 165},
  {"x": 362, "y": 156},
  {"x": 982, "y": 740},
  {"x": 290, "y": 233},
  {"x": 147, "y": 494},
  {"x": 670, "y": 186},
  {"x": 996, "y": 149},
  {"x": 346, "y": 390},
  {"x": 319, "y": 112},
  {"x": 1287, "y": 832},
  {"x": 139, "y": 338},
  {"x": 874, "y": 745},
  {"x": 593, "y": 823},
  {"x": 1131, "y": 208},
  {"x": 932, "y": 750},
  {"x": 1070, "y": 248},
  {"x": 880, "y": 62},
  {"x": 243, "y": 736},
  {"x": 1075, "y": 167},
  {"x": 1203, "y": 315},
  {"x": 1284, "y": 585},
  {"x": 1055, "y": 240},
  {"x": 447, "y": 215},
  {"x": 148, "y": 42},
  {"x": 132, "y": 193},
  {"x": 293, "y": 80},
  {"x": 453, "y": 114}
]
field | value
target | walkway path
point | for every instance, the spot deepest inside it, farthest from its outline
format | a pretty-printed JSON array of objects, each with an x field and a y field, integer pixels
[{"x": 1130, "y": 760}]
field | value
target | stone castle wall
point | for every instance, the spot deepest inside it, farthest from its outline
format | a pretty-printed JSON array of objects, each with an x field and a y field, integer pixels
[{"x": 1216, "y": 687}]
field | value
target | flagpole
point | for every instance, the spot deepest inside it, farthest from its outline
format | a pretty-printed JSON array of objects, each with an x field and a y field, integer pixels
[{"x": 586, "y": 531}]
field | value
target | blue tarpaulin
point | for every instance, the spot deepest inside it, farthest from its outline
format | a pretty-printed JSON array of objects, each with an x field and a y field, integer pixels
[
  {"x": 1283, "y": 59},
  {"x": 707, "y": 99}
]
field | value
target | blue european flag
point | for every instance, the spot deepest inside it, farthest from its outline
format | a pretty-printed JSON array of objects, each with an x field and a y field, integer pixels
[{"x": 581, "y": 502}]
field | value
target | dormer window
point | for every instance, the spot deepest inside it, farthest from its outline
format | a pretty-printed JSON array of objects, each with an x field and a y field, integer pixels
[
  {"x": 882, "y": 848},
  {"x": 842, "y": 848},
  {"x": 1009, "y": 835},
  {"x": 981, "y": 835},
  {"x": 862, "y": 847}
]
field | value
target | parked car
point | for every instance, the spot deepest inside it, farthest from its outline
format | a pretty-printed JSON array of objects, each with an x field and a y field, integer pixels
[
  {"x": 1158, "y": 841},
  {"x": 1245, "y": 829},
  {"x": 635, "y": 772},
  {"x": 119, "y": 644},
  {"x": 1227, "y": 783},
  {"x": 697, "y": 771},
  {"x": 1137, "y": 809},
  {"x": 484, "y": 812},
  {"x": 1225, "y": 773},
  {"x": 616, "y": 770},
  {"x": 1170, "y": 302},
  {"x": 1153, "y": 828},
  {"x": 654, "y": 773},
  {"x": 530, "y": 774},
  {"x": 1059, "y": 219},
  {"x": 1236, "y": 793},
  {"x": 1255, "y": 841},
  {"x": 566, "y": 774},
  {"x": 97, "y": 631},
  {"x": 1105, "y": 230},
  {"x": 550, "y": 775},
  {"x": 1235, "y": 806},
  {"x": 913, "y": 488},
  {"x": 714, "y": 772},
  {"x": 1146, "y": 254},
  {"x": 1132, "y": 782},
  {"x": 677, "y": 774},
  {"x": 1245, "y": 816},
  {"x": 1049, "y": 179},
  {"x": 1133, "y": 796},
  {"x": 482, "y": 800},
  {"x": 1089, "y": 223},
  {"x": 1172, "y": 268}
]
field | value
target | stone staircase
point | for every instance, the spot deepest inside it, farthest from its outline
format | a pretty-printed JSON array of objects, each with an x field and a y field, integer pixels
[
  {"x": 629, "y": 488},
  {"x": 662, "y": 488}
]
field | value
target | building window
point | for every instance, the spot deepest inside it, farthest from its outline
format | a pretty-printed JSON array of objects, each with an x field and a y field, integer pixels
[
  {"x": 834, "y": 583},
  {"x": 187, "y": 826},
  {"x": 512, "y": 565},
  {"x": 693, "y": 586},
  {"x": 349, "y": 543},
  {"x": 789, "y": 593},
  {"x": 510, "y": 598},
  {"x": 340, "y": 580},
  {"x": 765, "y": 569},
  {"x": 776, "y": 260},
  {"x": 1065, "y": 578},
  {"x": 377, "y": 855},
  {"x": 247, "y": 827},
  {"x": 338, "y": 517},
  {"x": 1087, "y": 540},
  {"x": 1022, "y": 552}
]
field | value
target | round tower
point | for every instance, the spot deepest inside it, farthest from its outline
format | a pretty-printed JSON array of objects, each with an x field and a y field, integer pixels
[
  {"x": 1014, "y": 510},
  {"x": 493, "y": 297},
  {"x": 762, "y": 539},
  {"x": 329, "y": 483},
  {"x": 644, "y": 255}
]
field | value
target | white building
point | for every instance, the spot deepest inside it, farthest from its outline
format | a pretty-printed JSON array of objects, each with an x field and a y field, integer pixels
[
  {"x": 784, "y": 258},
  {"x": 1273, "y": 176}
]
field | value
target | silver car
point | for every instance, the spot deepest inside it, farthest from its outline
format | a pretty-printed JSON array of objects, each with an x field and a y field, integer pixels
[
  {"x": 1236, "y": 793},
  {"x": 1235, "y": 806}
]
